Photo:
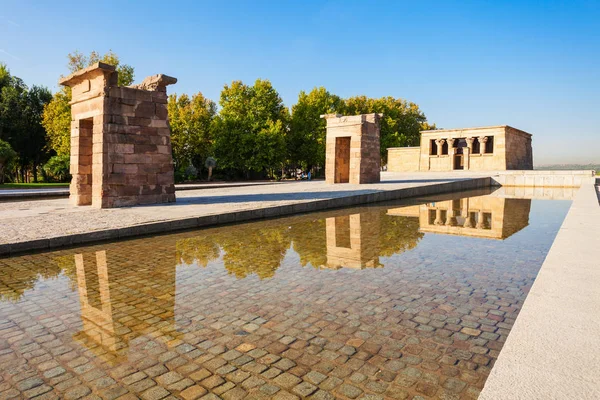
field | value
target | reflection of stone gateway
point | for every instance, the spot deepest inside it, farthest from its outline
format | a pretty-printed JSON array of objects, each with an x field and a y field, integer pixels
[
  {"x": 120, "y": 140},
  {"x": 119, "y": 304},
  {"x": 352, "y": 241}
]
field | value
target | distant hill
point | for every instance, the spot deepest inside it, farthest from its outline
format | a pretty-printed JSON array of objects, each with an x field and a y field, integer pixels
[{"x": 563, "y": 167}]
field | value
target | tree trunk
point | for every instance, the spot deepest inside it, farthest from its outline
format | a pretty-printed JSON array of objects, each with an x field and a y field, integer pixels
[
  {"x": 35, "y": 173},
  {"x": 209, "y": 173}
]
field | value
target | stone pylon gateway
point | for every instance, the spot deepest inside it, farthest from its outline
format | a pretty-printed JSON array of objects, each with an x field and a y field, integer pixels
[
  {"x": 120, "y": 139},
  {"x": 352, "y": 149}
]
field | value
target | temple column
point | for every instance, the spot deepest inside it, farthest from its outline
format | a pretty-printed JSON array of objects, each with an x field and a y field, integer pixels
[
  {"x": 468, "y": 221},
  {"x": 451, "y": 146},
  {"x": 482, "y": 141},
  {"x": 480, "y": 224},
  {"x": 438, "y": 217},
  {"x": 440, "y": 144},
  {"x": 451, "y": 151},
  {"x": 467, "y": 151},
  {"x": 451, "y": 218}
]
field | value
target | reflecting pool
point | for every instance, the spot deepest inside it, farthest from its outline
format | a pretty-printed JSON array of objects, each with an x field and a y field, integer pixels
[{"x": 409, "y": 299}]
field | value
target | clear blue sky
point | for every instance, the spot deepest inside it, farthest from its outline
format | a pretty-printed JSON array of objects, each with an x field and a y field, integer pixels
[{"x": 534, "y": 65}]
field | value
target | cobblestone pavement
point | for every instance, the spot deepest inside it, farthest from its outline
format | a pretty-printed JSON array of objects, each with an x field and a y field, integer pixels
[
  {"x": 253, "y": 311},
  {"x": 38, "y": 219}
]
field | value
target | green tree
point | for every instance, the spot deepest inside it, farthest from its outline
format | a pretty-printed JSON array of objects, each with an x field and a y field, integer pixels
[
  {"x": 78, "y": 60},
  {"x": 191, "y": 122},
  {"x": 306, "y": 139},
  {"x": 57, "y": 168},
  {"x": 251, "y": 129},
  {"x": 401, "y": 124},
  {"x": 57, "y": 122},
  {"x": 7, "y": 157},
  {"x": 20, "y": 121},
  {"x": 57, "y": 114}
]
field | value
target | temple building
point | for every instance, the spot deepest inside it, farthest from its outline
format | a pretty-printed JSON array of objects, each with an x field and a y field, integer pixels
[{"x": 491, "y": 148}]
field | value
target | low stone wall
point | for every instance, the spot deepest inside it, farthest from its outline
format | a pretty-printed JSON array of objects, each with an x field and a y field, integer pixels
[
  {"x": 403, "y": 159},
  {"x": 180, "y": 220},
  {"x": 540, "y": 178}
]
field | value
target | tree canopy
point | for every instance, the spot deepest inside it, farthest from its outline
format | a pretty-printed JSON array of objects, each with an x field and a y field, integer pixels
[
  {"x": 21, "y": 110},
  {"x": 191, "y": 122},
  {"x": 306, "y": 143},
  {"x": 251, "y": 128},
  {"x": 57, "y": 113},
  {"x": 250, "y": 133},
  {"x": 401, "y": 123}
]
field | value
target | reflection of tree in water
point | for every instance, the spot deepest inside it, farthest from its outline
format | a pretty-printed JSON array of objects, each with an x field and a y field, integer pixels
[
  {"x": 259, "y": 248},
  {"x": 254, "y": 248},
  {"x": 199, "y": 249},
  {"x": 22, "y": 273},
  {"x": 398, "y": 234},
  {"x": 309, "y": 241}
]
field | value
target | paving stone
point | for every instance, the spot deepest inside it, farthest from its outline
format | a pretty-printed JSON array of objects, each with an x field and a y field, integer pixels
[
  {"x": 284, "y": 364},
  {"x": 271, "y": 373},
  {"x": 283, "y": 395},
  {"x": 155, "y": 393},
  {"x": 77, "y": 392},
  {"x": 287, "y": 380},
  {"x": 223, "y": 388},
  {"x": 193, "y": 392},
  {"x": 315, "y": 377},
  {"x": 212, "y": 382},
  {"x": 169, "y": 378},
  {"x": 200, "y": 375},
  {"x": 236, "y": 393},
  {"x": 349, "y": 391},
  {"x": 304, "y": 389},
  {"x": 322, "y": 395}
]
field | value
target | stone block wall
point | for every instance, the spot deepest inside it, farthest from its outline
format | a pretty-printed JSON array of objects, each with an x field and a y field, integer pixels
[
  {"x": 404, "y": 159},
  {"x": 362, "y": 164},
  {"x": 120, "y": 140},
  {"x": 519, "y": 152}
]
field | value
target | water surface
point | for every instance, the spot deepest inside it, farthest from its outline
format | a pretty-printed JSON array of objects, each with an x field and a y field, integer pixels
[{"x": 410, "y": 299}]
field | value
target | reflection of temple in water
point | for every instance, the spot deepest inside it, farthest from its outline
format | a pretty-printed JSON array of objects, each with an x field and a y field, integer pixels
[
  {"x": 120, "y": 302},
  {"x": 488, "y": 216},
  {"x": 353, "y": 241}
]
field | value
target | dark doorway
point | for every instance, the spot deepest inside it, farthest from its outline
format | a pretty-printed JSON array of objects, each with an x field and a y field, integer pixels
[{"x": 459, "y": 157}]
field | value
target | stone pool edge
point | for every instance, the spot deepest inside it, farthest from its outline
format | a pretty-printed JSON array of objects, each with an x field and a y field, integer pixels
[
  {"x": 177, "y": 224},
  {"x": 552, "y": 349}
]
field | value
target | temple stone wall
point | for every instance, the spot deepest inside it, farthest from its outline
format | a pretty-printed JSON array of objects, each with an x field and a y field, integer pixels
[
  {"x": 519, "y": 152},
  {"x": 405, "y": 159},
  {"x": 494, "y": 148},
  {"x": 120, "y": 140},
  {"x": 361, "y": 163}
]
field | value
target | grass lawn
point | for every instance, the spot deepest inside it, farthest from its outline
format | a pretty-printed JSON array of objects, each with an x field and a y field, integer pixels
[{"x": 33, "y": 185}]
